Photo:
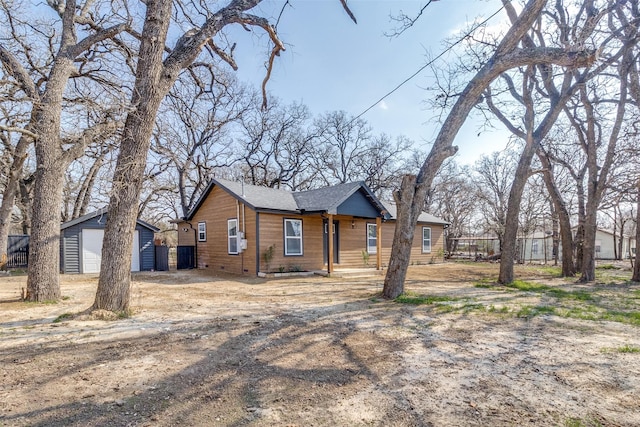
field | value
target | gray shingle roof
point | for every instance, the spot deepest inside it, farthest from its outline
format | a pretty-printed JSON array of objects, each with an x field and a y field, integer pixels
[
  {"x": 260, "y": 197},
  {"x": 102, "y": 211},
  {"x": 424, "y": 217},
  {"x": 326, "y": 199}
]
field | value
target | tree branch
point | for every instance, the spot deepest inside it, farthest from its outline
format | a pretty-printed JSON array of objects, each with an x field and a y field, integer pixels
[{"x": 18, "y": 72}]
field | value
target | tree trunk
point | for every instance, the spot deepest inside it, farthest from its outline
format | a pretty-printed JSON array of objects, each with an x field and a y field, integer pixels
[
  {"x": 588, "y": 247},
  {"x": 402, "y": 238},
  {"x": 509, "y": 246},
  {"x": 151, "y": 86},
  {"x": 563, "y": 217},
  {"x": 9, "y": 195},
  {"x": 636, "y": 264},
  {"x": 44, "y": 245}
]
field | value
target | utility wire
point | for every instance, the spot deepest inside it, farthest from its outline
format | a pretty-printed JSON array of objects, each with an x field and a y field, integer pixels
[{"x": 405, "y": 81}]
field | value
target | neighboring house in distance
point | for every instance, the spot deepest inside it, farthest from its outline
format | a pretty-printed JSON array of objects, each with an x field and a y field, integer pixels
[
  {"x": 233, "y": 225},
  {"x": 81, "y": 244},
  {"x": 605, "y": 241},
  {"x": 537, "y": 246}
]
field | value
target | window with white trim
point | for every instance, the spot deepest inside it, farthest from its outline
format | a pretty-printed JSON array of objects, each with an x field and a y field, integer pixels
[
  {"x": 293, "y": 237},
  {"x": 232, "y": 236},
  {"x": 426, "y": 240},
  {"x": 202, "y": 232},
  {"x": 372, "y": 238},
  {"x": 534, "y": 247}
]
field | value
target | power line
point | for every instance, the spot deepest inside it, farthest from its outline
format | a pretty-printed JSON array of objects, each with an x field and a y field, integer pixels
[{"x": 440, "y": 55}]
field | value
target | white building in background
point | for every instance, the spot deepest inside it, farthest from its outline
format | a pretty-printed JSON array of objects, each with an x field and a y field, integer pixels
[{"x": 537, "y": 247}]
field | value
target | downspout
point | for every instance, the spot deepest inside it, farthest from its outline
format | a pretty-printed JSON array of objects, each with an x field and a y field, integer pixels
[{"x": 238, "y": 240}]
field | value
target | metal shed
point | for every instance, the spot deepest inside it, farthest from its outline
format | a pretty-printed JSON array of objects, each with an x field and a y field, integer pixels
[{"x": 81, "y": 244}]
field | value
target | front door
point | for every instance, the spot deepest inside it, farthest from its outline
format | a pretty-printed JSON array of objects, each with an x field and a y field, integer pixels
[{"x": 336, "y": 241}]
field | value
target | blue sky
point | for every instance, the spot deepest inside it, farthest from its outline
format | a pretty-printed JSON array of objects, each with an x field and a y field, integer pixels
[{"x": 333, "y": 64}]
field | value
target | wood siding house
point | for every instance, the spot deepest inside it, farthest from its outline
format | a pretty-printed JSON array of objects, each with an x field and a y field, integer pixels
[
  {"x": 233, "y": 226},
  {"x": 81, "y": 244}
]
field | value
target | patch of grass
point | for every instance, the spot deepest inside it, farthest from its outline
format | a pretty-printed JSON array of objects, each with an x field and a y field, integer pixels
[
  {"x": 66, "y": 298},
  {"x": 487, "y": 282},
  {"x": 550, "y": 270},
  {"x": 628, "y": 349},
  {"x": 62, "y": 317},
  {"x": 46, "y": 302},
  {"x": 606, "y": 267},
  {"x": 529, "y": 311},
  {"x": 124, "y": 314},
  {"x": 580, "y": 422},
  {"x": 525, "y": 286},
  {"x": 574, "y": 295},
  {"x": 592, "y": 312},
  {"x": 493, "y": 309},
  {"x": 414, "y": 299}
]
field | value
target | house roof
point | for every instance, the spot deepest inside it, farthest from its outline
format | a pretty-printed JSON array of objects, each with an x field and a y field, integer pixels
[
  {"x": 424, "y": 217},
  {"x": 324, "y": 200},
  {"x": 100, "y": 212},
  {"x": 254, "y": 196},
  {"x": 328, "y": 199}
]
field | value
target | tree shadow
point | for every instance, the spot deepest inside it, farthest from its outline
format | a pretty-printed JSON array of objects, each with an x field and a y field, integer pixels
[{"x": 243, "y": 372}]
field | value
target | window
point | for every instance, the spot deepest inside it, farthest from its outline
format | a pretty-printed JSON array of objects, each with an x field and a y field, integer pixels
[
  {"x": 293, "y": 237},
  {"x": 202, "y": 232},
  {"x": 426, "y": 240},
  {"x": 534, "y": 247},
  {"x": 372, "y": 238},
  {"x": 232, "y": 236}
]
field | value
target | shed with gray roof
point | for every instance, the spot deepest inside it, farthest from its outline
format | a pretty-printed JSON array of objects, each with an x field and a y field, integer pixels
[{"x": 81, "y": 244}]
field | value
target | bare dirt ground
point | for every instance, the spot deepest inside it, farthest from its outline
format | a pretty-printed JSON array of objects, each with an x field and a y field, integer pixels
[{"x": 228, "y": 351}]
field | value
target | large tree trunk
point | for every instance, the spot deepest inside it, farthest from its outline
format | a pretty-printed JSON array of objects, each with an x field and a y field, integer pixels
[
  {"x": 636, "y": 264},
  {"x": 513, "y": 211},
  {"x": 402, "y": 238},
  {"x": 150, "y": 88},
  {"x": 9, "y": 195},
  {"x": 44, "y": 245}
]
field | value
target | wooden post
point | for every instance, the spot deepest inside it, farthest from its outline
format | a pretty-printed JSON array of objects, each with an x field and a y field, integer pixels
[
  {"x": 378, "y": 243},
  {"x": 330, "y": 244}
]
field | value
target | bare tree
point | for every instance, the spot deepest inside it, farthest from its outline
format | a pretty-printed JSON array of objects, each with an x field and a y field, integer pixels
[
  {"x": 341, "y": 141},
  {"x": 275, "y": 147},
  {"x": 193, "y": 134},
  {"x": 411, "y": 196},
  {"x": 43, "y": 75},
  {"x": 156, "y": 72},
  {"x": 453, "y": 197},
  {"x": 493, "y": 175}
]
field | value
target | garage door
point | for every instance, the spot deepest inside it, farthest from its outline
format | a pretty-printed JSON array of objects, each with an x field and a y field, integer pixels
[{"x": 92, "y": 251}]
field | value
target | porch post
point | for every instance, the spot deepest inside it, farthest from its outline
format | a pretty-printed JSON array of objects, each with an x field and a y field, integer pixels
[
  {"x": 330, "y": 244},
  {"x": 378, "y": 243}
]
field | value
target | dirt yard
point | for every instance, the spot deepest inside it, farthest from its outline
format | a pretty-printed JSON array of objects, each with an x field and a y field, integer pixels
[{"x": 225, "y": 351}]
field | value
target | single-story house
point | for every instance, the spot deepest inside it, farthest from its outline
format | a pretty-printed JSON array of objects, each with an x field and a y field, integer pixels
[
  {"x": 247, "y": 229},
  {"x": 81, "y": 244},
  {"x": 605, "y": 241}
]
